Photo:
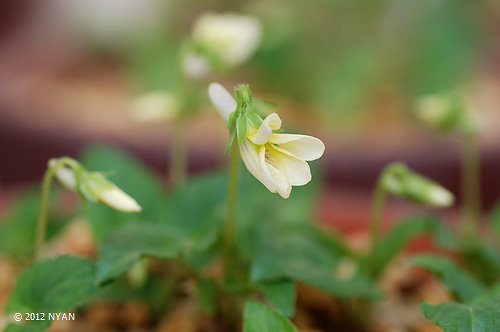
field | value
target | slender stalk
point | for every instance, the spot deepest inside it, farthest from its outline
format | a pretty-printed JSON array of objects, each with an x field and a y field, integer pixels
[
  {"x": 44, "y": 202},
  {"x": 378, "y": 203},
  {"x": 42, "y": 215},
  {"x": 178, "y": 156},
  {"x": 470, "y": 183},
  {"x": 229, "y": 227}
]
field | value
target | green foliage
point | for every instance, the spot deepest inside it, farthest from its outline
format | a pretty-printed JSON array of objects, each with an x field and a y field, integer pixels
[
  {"x": 207, "y": 292},
  {"x": 398, "y": 237},
  {"x": 123, "y": 247},
  {"x": 260, "y": 318},
  {"x": 482, "y": 315},
  {"x": 459, "y": 282},
  {"x": 481, "y": 258},
  {"x": 302, "y": 254},
  {"x": 17, "y": 229},
  {"x": 52, "y": 285},
  {"x": 188, "y": 226},
  {"x": 281, "y": 295}
]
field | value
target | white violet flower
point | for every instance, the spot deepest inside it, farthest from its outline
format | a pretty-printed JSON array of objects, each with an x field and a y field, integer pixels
[{"x": 277, "y": 160}]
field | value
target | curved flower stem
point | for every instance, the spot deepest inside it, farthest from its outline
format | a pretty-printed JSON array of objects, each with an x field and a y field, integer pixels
[
  {"x": 44, "y": 200},
  {"x": 470, "y": 184},
  {"x": 178, "y": 155},
  {"x": 378, "y": 203}
]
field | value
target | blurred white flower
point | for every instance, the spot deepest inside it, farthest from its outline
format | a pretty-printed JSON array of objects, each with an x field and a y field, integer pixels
[
  {"x": 195, "y": 66},
  {"x": 232, "y": 38},
  {"x": 95, "y": 187},
  {"x": 154, "y": 107},
  {"x": 278, "y": 161}
]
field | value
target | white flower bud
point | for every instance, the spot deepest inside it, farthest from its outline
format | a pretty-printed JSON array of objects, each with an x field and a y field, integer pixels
[
  {"x": 92, "y": 185},
  {"x": 64, "y": 175},
  {"x": 117, "y": 199}
]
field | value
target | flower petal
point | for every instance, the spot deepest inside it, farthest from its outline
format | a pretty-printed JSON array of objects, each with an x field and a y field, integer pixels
[
  {"x": 65, "y": 175},
  {"x": 297, "y": 170},
  {"x": 302, "y": 146},
  {"x": 222, "y": 100},
  {"x": 284, "y": 188},
  {"x": 117, "y": 199},
  {"x": 254, "y": 159},
  {"x": 270, "y": 123},
  {"x": 274, "y": 163}
]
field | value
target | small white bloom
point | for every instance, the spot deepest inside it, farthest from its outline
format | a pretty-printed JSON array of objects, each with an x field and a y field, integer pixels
[
  {"x": 154, "y": 107},
  {"x": 95, "y": 187},
  {"x": 278, "y": 161},
  {"x": 234, "y": 38}
]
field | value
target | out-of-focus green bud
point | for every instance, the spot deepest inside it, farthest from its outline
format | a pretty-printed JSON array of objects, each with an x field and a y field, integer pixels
[
  {"x": 155, "y": 106},
  {"x": 399, "y": 180},
  {"x": 446, "y": 112},
  {"x": 93, "y": 186},
  {"x": 441, "y": 112}
]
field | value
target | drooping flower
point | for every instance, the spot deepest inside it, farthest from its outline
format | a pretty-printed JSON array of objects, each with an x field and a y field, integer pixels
[
  {"x": 277, "y": 160},
  {"x": 221, "y": 40},
  {"x": 94, "y": 186}
]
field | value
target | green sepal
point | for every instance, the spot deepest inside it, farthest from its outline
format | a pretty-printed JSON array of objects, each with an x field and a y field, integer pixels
[
  {"x": 254, "y": 119},
  {"x": 242, "y": 128},
  {"x": 91, "y": 184},
  {"x": 230, "y": 142},
  {"x": 231, "y": 124}
]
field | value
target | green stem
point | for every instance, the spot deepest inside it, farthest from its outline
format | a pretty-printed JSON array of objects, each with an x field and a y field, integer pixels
[
  {"x": 229, "y": 227},
  {"x": 470, "y": 184},
  {"x": 178, "y": 156},
  {"x": 44, "y": 202},
  {"x": 378, "y": 203}
]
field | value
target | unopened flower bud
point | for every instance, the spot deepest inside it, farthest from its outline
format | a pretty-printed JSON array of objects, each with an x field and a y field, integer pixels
[
  {"x": 401, "y": 181},
  {"x": 154, "y": 107},
  {"x": 94, "y": 186}
]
